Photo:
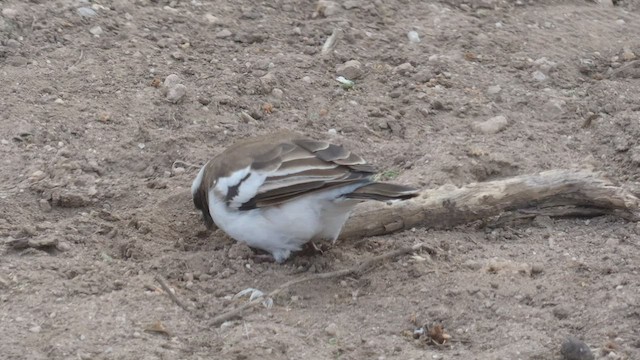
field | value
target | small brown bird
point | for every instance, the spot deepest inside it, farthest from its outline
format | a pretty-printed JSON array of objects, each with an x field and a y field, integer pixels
[{"x": 278, "y": 192}]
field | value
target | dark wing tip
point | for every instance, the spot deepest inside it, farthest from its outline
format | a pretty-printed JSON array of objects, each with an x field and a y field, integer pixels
[{"x": 383, "y": 192}]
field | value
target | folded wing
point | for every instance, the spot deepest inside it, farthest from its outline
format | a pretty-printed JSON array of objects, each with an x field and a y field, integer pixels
[{"x": 301, "y": 166}]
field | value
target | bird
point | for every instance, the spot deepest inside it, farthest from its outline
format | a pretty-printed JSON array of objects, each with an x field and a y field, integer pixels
[{"x": 280, "y": 191}]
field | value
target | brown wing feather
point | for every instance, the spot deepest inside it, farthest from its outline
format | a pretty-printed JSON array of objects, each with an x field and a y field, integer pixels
[{"x": 307, "y": 167}]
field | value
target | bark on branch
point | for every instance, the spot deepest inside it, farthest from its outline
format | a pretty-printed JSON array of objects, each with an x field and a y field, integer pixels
[{"x": 554, "y": 192}]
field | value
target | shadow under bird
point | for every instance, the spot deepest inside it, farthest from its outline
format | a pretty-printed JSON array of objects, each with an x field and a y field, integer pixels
[{"x": 281, "y": 191}]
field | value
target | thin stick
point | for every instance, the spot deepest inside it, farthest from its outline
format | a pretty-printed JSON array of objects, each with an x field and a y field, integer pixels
[
  {"x": 359, "y": 269},
  {"x": 189, "y": 165},
  {"x": 79, "y": 58},
  {"x": 172, "y": 296}
]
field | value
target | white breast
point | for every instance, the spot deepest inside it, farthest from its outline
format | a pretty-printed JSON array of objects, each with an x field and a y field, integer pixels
[{"x": 285, "y": 228}]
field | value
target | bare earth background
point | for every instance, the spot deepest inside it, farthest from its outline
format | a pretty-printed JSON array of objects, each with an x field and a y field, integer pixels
[{"x": 89, "y": 140}]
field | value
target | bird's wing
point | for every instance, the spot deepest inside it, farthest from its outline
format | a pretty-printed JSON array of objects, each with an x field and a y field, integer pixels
[{"x": 281, "y": 171}]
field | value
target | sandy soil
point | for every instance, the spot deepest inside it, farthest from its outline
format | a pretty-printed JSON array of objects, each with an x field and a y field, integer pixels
[{"x": 97, "y": 162}]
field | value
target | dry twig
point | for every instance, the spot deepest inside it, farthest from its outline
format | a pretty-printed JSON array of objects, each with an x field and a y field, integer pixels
[
  {"x": 172, "y": 296},
  {"x": 359, "y": 269}
]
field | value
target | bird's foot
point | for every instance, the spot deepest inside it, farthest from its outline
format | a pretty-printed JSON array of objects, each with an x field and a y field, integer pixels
[{"x": 255, "y": 294}]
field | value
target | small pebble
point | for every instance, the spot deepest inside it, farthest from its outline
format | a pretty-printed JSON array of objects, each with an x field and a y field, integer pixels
[
  {"x": 86, "y": 12},
  {"x": 44, "y": 205},
  {"x": 176, "y": 93},
  {"x": 351, "y": 70},
  {"x": 171, "y": 80},
  {"x": 492, "y": 125},
  {"x": 331, "y": 329},
  {"x": 187, "y": 277},
  {"x": 403, "y": 69},
  {"x": 35, "y": 329},
  {"x": 495, "y": 89},
  {"x": 575, "y": 349},
  {"x": 307, "y": 79},
  {"x": 539, "y": 76},
  {"x": 96, "y": 31},
  {"x": 178, "y": 170},
  {"x": 62, "y": 245},
  {"x": 413, "y": 37},
  {"x": 554, "y": 108},
  {"x": 224, "y": 33},
  {"x": 277, "y": 93},
  {"x": 178, "y": 55},
  {"x": 211, "y": 19},
  {"x": 9, "y": 13}
]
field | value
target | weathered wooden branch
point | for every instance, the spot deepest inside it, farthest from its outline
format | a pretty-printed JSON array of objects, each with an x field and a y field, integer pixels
[{"x": 553, "y": 193}]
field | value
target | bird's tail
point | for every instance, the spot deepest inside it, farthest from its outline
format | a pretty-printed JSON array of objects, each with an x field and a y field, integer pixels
[{"x": 383, "y": 192}]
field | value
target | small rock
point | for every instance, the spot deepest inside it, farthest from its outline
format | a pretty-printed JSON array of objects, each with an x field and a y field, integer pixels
[
  {"x": 239, "y": 251},
  {"x": 307, "y": 79},
  {"x": 96, "y": 31},
  {"x": 332, "y": 132},
  {"x": 178, "y": 170},
  {"x": 574, "y": 349},
  {"x": 326, "y": 8},
  {"x": 35, "y": 329},
  {"x": 204, "y": 277},
  {"x": 492, "y": 125},
  {"x": 554, "y": 108},
  {"x": 63, "y": 246},
  {"x": 70, "y": 199},
  {"x": 413, "y": 37},
  {"x": 620, "y": 22},
  {"x": 44, "y": 205},
  {"x": 536, "y": 269},
  {"x": 223, "y": 34},
  {"x": 37, "y": 176},
  {"x": 268, "y": 82},
  {"x": 539, "y": 76},
  {"x": 211, "y": 19},
  {"x": 187, "y": 276},
  {"x": 171, "y": 80},
  {"x": 472, "y": 265},
  {"x": 204, "y": 100},
  {"x": 403, "y": 69},
  {"x": 278, "y": 93},
  {"x": 13, "y": 43},
  {"x": 59, "y": 101},
  {"x": 331, "y": 329},
  {"x": 561, "y": 312},
  {"x": 628, "y": 55},
  {"x": 352, "y": 4},
  {"x": 86, "y": 12},
  {"x": 493, "y": 90},
  {"x": 351, "y": 70},
  {"x": 545, "y": 65},
  {"x": 9, "y": 13},
  {"x": 176, "y": 93},
  {"x": 612, "y": 242},
  {"x": 178, "y": 55}
]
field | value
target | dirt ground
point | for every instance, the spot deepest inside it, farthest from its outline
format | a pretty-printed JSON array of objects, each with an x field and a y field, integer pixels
[{"x": 97, "y": 159}]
